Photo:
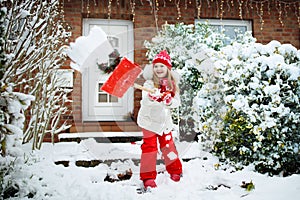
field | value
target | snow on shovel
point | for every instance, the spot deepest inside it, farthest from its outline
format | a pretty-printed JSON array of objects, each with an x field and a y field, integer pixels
[
  {"x": 123, "y": 77},
  {"x": 86, "y": 50}
]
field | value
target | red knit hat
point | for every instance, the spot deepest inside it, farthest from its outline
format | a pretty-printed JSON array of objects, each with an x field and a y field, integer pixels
[{"x": 164, "y": 58}]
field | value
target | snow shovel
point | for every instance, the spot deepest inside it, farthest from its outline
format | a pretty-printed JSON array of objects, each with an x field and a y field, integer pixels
[{"x": 123, "y": 77}]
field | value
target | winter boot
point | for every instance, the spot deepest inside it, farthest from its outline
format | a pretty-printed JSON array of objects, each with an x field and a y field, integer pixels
[
  {"x": 175, "y": 177},
  {"x": 149, "y": 183}
]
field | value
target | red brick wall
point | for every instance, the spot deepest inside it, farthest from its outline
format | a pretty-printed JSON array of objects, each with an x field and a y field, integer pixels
[{"x": 145, "y": 26}]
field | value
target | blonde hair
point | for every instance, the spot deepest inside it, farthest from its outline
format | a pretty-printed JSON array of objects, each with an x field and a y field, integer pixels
[{"x": 174, "y": 87}]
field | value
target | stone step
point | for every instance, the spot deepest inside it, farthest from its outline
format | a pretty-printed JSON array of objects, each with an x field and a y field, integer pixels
[
  {"x": 102, "y": 137},
  {"x": 104, "y": 126},
  {"x": 94, "y": 163}
]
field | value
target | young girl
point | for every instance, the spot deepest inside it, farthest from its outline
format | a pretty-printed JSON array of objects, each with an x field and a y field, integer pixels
[{"x": 155, "y": 120}]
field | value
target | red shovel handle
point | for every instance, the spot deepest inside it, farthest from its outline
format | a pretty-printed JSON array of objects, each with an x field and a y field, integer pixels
[{"x": 137, "y": 86}]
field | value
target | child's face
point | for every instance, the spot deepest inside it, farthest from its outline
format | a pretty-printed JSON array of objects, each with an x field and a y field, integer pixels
[{"x": 160, "y": 70}]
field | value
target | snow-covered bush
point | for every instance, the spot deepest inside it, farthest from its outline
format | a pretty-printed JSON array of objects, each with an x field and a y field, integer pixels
[
  {"x": 183, "y": 42},
  {"x": 34, "y": 38},
  {"x": 251, "y": 108},
  {"x": 13, "y": 175},
  {"x": 12, "y": 106},
  {"x": 2, "y": 55},
  {"x": 18, "y": 180},
  {"x": 2, "y": 62}
]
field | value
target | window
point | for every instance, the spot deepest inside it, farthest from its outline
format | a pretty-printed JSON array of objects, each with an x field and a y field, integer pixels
[
  {"x": 230, "y": 27},
  {"x": 104, "y": 97}
]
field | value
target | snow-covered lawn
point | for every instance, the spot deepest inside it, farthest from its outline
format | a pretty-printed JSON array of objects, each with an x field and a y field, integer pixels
[{"x": 200, "y": 180}]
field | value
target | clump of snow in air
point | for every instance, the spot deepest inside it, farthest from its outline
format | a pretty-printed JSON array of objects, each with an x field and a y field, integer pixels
[{"x": 90, "y": 49}]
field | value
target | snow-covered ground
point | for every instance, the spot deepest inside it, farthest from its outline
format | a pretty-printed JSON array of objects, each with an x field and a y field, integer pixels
[{"x": 201, "y": 179}]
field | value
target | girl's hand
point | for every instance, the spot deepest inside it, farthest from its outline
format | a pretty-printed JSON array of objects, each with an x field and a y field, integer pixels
[
  {"x": 167, "y": 98},
  {"x": 156, "y": 96}
]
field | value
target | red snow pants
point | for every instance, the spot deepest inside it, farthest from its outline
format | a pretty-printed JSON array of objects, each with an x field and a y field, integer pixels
[{"x": 149, "y": 155}]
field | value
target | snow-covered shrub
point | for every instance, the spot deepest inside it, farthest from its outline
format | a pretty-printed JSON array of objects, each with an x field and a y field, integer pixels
[
  {"x": 209, "y": 104},
  {"x": 2, "y": 62},
  {"x": 17, "y": 177},
  {"x": 31, "y": 40},
  {"x": 2, "y": 55},
  {"x": 35, "y": 36},
  {"x": 13, "y": 175},
  {"x": 183, "y": 42},
  {"x": 254, "y": 116}
]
